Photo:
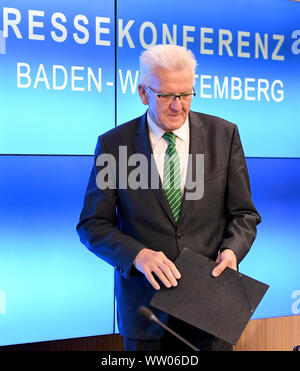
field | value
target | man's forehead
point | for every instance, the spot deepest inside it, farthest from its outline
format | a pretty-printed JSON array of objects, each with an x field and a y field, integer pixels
[{"x": 183, "y": 76}]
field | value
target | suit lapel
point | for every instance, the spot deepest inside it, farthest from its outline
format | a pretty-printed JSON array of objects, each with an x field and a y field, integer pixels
[
  {"x": 141, "y": 144},
  {"x": 197, "y": 146}
]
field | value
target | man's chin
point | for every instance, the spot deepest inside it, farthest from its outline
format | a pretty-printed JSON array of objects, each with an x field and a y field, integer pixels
[{"x": 173, "y": 125}]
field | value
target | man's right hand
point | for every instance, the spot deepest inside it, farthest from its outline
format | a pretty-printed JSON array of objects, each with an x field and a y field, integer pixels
[{"x": 149, "y": 261}]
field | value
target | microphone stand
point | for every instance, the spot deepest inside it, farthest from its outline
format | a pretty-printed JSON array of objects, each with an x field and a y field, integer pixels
[{"x": 147, "y": 313}]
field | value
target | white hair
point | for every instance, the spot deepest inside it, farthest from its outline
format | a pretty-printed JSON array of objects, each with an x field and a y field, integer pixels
[{"x": 169, "y": 57}]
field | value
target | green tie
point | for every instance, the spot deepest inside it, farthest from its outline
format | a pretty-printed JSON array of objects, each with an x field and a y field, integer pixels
[{"x": 172, "y": 178}]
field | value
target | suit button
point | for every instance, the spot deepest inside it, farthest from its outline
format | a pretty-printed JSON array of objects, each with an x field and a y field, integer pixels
[
  {"x": 179, "y": 235},
  {"x": 119, "y": 269}
]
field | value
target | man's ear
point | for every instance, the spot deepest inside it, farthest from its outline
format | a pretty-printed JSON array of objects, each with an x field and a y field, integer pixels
[{"x": 143, "y": 94}]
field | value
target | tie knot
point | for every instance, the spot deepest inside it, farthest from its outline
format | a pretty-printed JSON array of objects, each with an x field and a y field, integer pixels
[{"x": 170, "y": 137}]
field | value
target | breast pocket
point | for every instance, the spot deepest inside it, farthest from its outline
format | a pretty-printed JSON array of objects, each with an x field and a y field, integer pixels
[{"x": 215, "y": 175}]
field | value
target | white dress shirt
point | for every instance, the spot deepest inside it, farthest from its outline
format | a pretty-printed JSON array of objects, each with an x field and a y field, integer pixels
[{"x": 159, "y": 146}]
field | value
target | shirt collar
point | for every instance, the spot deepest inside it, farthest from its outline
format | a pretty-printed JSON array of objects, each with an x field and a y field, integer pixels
[{"x": 157, "y": 132}]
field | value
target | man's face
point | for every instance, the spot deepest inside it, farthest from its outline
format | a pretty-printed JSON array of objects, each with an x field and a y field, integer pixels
[{"x": 168, "y": 115}]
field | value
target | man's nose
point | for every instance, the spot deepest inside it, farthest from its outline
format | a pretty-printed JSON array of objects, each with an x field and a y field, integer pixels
[{"x": 176, "y": 103}]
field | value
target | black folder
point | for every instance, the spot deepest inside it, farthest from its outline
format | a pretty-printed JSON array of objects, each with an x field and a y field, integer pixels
[{"x": 221, "y": 306}]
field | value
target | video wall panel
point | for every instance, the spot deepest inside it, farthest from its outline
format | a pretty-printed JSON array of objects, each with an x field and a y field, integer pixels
[
  {"x": 247, "y": 55},
  {"x": 57, "y": 84},
  {"x": 51, "y": 287},
  {"x": 275, "y": 255}
]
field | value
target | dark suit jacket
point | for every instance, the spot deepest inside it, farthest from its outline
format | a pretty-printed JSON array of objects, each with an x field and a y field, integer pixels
[{"x": 115, "y": 224}]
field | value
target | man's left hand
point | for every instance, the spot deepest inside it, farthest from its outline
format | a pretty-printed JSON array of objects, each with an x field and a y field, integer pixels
[{"x": 226, "y": 258}]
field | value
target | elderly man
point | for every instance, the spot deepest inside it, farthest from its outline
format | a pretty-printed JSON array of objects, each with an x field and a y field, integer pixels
[{"x": 141, "y": 230}]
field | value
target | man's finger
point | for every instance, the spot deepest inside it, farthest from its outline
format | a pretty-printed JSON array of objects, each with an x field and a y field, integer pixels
[
  {"x": 162, "y": 276},
  {"x": 225, "y": 259},
  {"x": 148, "y": 261},
  {"x": 151, "y": 280},
  {"x": 166, "y": 271},
  {"x": 173, "y": 269},
  {"x": 219, "y": 269}
]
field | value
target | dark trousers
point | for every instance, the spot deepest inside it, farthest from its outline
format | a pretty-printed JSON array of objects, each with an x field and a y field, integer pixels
[{"x": 202, "y": 340}]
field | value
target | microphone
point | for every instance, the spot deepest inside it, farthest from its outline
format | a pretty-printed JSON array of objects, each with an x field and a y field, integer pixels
[{"x": 150, "y": 316}]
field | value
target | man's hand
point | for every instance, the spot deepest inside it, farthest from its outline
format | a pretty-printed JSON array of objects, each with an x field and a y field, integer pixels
[
  {"x": 225, "y": 259},
  {"x": 149, "y": 261}
]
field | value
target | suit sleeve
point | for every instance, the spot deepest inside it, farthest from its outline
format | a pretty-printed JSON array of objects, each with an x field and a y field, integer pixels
[
  {"x": 97, "y": 227},
  {"x": 242, "y": 216}
]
